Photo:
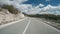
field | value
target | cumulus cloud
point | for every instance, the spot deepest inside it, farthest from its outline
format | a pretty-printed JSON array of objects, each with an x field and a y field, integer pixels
[
  {"x": 35, "y": 10},
  {"x": 4, "y": 2},
  {"x": 29, "y": 9},
  {"x": 49, "y": 9},
  {"x": 25, "y": 7},
  {"x": 17, "y": 4},
  {"x": 11, "y": 1},
  {"x": 41, "y": 5}
]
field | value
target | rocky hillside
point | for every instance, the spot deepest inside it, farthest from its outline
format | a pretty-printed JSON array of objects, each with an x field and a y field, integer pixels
[{"x": 6, "y": 16}]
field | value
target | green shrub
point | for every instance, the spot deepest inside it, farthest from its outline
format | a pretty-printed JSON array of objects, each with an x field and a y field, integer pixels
[
  {"x": 11, "y": 9},
  {"x": 47, "y": 16},
  {"x": 0, "y": 9}
]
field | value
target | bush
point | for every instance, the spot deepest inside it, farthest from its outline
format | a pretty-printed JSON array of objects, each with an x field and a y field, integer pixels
[
  {"x": 0, "y": 9},
  {"x": 11, "y": 9},
  {"x": 47, "y": 16}
]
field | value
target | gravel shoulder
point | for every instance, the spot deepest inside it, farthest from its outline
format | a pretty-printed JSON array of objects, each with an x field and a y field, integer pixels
[{"x": 51, "y": 23}]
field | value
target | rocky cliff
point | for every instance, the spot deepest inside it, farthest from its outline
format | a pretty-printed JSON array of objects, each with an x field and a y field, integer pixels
[{"x": 6, "y": 16}]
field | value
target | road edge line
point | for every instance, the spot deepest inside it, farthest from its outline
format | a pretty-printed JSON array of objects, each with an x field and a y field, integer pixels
[
  {"x": 5, "y": 25},
  {"x": 51, "y": 26}
]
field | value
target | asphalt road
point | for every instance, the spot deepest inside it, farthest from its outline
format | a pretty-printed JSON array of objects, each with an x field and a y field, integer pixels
[{"x": 29, "y": 26}]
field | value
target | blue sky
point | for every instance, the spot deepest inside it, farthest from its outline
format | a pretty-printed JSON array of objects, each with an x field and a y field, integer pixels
[
  {"x": 49, "y": 6},
  {"x": 35, "y": 6},
  {"x": 45, "y": 2}
]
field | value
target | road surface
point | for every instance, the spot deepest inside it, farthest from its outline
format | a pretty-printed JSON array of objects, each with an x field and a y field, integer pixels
[{"x": 29, "y": 26}]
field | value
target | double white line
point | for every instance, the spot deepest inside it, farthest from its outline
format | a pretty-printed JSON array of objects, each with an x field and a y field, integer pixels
[{"x": 26, "y": 27}]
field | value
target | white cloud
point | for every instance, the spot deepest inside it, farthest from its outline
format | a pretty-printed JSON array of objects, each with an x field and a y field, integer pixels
[
  {"x": 17, "y": 4},
  {"x": 20, "y": 1},
  {"x": 35, "y": 10},
  {"x": 41, "y": 5},
  {"x": 4, "y": 2},
  {"x": 10, "y": 2},
  {"x": 25, "y": 7},
  {"x": 28, "y": 8},
  {"x": 50, "y": 10}
]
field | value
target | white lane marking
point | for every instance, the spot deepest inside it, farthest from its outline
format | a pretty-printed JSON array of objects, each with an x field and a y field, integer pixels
[
  {"x": 8, "y": 24},
  {"x": 50, "y": 26},
  {"x": 26, "y": 27}
]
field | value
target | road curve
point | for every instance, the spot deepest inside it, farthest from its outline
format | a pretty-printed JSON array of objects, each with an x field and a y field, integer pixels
[
  {"x": 39, "y": 27},
  {"x": 16, "y": 28},
  {"x": 29, "y": 26}
]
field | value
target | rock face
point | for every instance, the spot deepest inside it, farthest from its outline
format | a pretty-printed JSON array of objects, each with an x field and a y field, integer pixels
[{"x": 6, "y": 16}]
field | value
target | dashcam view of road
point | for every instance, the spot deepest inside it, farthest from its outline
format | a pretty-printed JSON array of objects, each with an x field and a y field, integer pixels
[
  {"x": 29, "y": 16},
  {"x": 29, "y": 26}
]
